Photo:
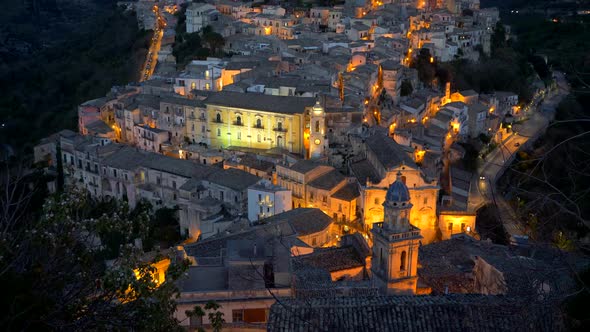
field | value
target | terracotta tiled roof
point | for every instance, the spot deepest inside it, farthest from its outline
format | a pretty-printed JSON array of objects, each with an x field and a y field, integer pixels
[{"x": 460, "y": 312}]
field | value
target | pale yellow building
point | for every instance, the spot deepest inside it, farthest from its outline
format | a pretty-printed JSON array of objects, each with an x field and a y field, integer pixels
[{"x": 264, "y": 122}]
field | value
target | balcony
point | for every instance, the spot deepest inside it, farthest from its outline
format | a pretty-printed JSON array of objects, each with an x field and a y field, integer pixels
[
  {"x": 238, "y": 123},
  {"x": 391, "y": 235},
  {"x": 265, "y": 203},
  {"x": 280, "y": 129},
  {"x": 258, "y": 126}
]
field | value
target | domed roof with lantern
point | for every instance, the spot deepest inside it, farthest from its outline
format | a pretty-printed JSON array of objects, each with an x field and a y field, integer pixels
[
  {"x": 317, "y": 108},
  {"x": 398, "y": 191}
]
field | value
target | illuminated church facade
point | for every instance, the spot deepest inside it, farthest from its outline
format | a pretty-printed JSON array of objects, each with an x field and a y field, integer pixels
[{"x": 394, "y": 262}]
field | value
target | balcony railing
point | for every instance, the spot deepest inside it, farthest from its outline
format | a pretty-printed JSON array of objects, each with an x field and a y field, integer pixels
[
  {"x": 280, "y": 129},
  {"x": 236, "y": 123},
  {"x": 380, "y": 229},
  {"x": 258, "y": 127}
]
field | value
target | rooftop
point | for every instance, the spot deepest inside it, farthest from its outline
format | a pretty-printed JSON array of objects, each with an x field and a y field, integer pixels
[
  {"x": 304, "y": 221},
  {"x": 388, "y": 152},
  {"x": 260, "y": 102},
  {"x": 233, "y": 178},
  {"x": 328, "y": 180},
  {"x": 304, "y": 166},
  {"x": 448, "y": 265},
  {"x": 411, "y": 313},
  {"x": 348, "y": 192},
  {"x": 333, "y": 259}
]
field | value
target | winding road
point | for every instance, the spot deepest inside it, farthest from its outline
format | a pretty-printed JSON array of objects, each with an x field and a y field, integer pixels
[{"x": 483, "y": 186}]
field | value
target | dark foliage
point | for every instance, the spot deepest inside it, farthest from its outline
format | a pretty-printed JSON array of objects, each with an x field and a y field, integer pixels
[{"x": 59, "y": 59}]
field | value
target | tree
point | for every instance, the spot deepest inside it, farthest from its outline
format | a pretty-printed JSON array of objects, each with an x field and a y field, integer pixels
[
  {"x": 425, "y": 65},
  {"x": 214, "y": 40},
  {"x": 498, "y": 37},
  {"x": 57, "y": 279},
  {"x": 215, "y": 316},
  {"x": 406, "y": 88}
]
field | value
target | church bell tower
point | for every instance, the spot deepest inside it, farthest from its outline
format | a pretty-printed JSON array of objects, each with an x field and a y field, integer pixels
[
  {"x": 395, "y": 244},
  {"x": 317, "y": 127}
]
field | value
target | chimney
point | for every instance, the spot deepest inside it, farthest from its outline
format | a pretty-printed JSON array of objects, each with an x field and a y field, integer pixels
[{"x": 255, "y": 250}]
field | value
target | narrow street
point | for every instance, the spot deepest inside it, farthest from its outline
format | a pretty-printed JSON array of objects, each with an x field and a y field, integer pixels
[
  {"x": 155, "y": 43},
  {"x": 483, "y": 188}
]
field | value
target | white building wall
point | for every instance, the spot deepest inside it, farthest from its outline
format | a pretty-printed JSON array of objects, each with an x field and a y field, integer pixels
[{"x": 269, "y": 201}]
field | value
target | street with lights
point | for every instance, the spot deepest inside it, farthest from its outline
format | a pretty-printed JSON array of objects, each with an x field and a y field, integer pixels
[
  {"x": 483, "y": 189},
  {"x": 155, "y": 43}
]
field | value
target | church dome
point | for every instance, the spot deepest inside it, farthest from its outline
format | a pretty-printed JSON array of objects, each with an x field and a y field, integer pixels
[{"x": 398, "y": 191}]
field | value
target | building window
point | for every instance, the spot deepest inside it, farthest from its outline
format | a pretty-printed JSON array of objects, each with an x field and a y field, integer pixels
[
  {"x": 280, "y": 126},
  {"x": 239, "y": 135},
  {"x": 259, "y": 197},
  {"x": 218, "y": 132},
  {"x": 174, "y": 184},
  {"x": 402, "y": 259},
  {"x": 193, "y": 86},
  {"x": 317, "y": 126},
  {"x": 239, "y": 120},
  {"x": 462, "y": 227},
  {"x": 258, "y": 138},
  {"x": 339, "y": 207},
  {"x": 425, "y": 200},
  {"x": 313, "y": 241},
  {"x": 218, "y": 118},
  {"x": 207, "y": 86},
  {"x": 195, "y": 321},
  {"x": 404, "y": 179},
  {"x": 376, "y": 201},
  {"x": 450, "y": 227},
  {"x": 237, "y": 315},
  {"x": 261, "y": 211},
  {"x": 115, "y": 173},
  {"x": 258, "y": 123}
]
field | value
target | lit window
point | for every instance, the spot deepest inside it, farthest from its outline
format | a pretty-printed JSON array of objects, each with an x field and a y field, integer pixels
[
  {"x": 207, "y": 86},
  {"x": 402, "y": 265},
  {"x": 193, "y": 86}
]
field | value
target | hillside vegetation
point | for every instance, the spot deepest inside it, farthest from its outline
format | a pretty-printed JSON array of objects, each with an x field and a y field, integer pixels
[{"x": 55, "y": 55}]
